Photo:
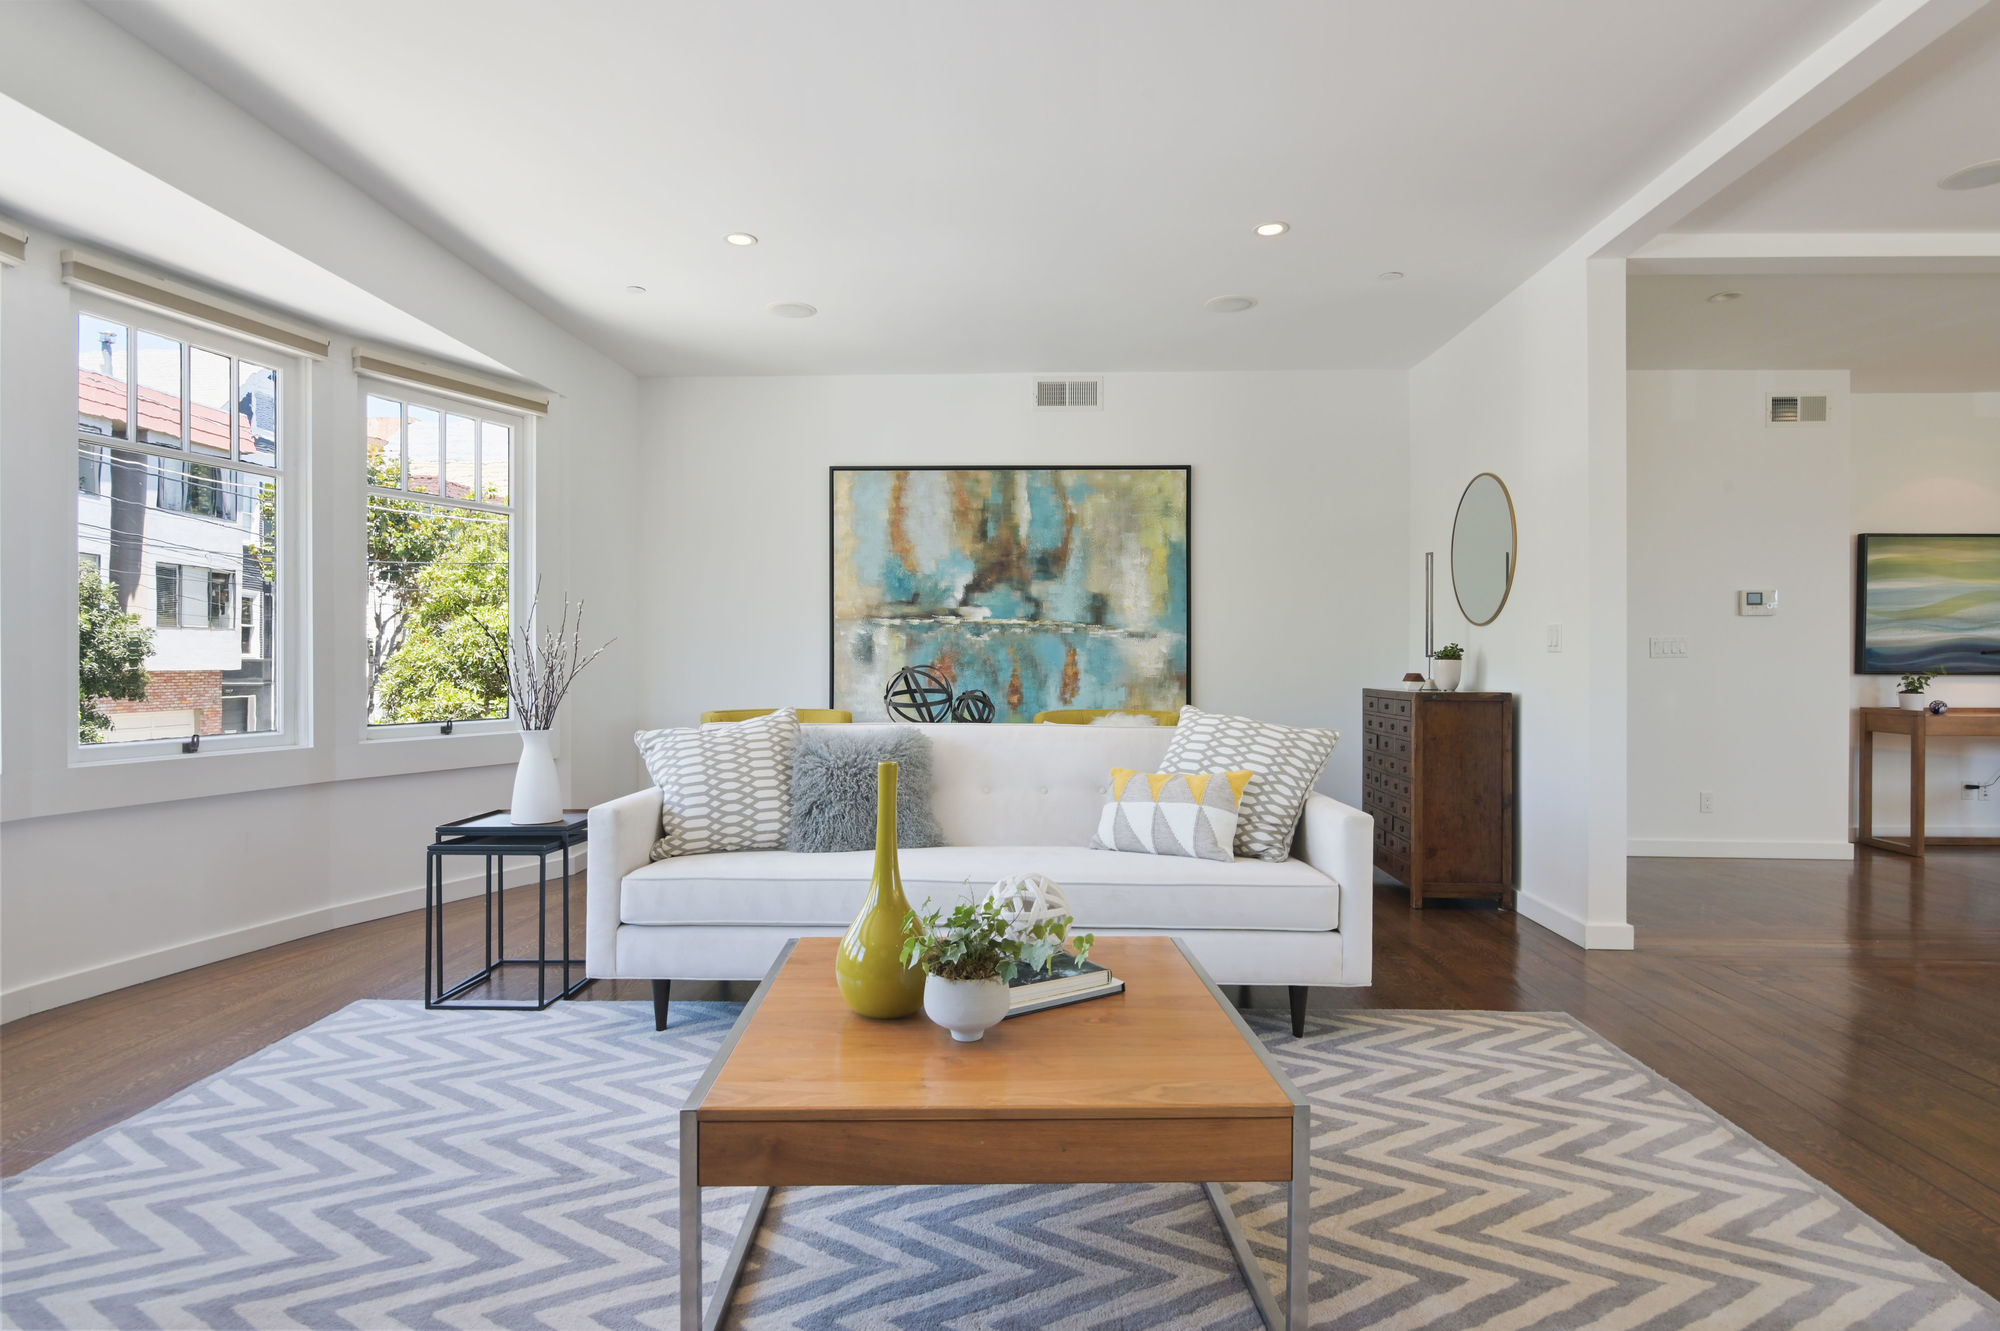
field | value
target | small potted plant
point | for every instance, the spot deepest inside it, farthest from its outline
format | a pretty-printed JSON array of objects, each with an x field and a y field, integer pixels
[
  {"x": 971, "y": 955},
  {"x": 1910, "y": 694},
  {"x": 1446, "y": 663}
]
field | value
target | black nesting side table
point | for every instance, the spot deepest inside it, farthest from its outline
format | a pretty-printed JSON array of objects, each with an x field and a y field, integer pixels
[{"x": 492, "y": 837}]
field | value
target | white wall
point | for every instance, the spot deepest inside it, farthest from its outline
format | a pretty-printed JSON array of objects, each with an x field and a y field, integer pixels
[
  {"x": 1753, "y": 714},
  {"x": 1299, "y": 506},
  {"x": 1533, "y": 391},
  {"x": 115, "y": 875},
  {"x": 1759, "y": 712},
  {"x": 1929, "y": 462}
]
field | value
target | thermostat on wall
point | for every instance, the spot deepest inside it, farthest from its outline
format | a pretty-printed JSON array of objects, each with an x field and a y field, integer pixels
[{"x": 1757, "y": 603}]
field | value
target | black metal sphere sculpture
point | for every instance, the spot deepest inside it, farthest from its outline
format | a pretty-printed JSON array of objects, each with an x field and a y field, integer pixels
[
  {"x": 972, "y": 705},
  {"x": 918, "y": 693}
]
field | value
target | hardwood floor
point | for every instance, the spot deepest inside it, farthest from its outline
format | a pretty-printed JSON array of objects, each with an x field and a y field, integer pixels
[{"x": 1847, "y": 1015}]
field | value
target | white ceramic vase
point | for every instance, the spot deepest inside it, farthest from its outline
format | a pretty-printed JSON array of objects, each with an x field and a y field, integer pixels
[
  {"x": 1445, "y": 674},
  {"x": 966, "y": 1008},
  {"x": 1912, "y": 702},
  {"x": 537, "y": 793}
]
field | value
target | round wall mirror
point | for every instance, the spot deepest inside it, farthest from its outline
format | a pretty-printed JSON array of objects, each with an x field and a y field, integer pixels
[{"x": 1482, "y": 549}]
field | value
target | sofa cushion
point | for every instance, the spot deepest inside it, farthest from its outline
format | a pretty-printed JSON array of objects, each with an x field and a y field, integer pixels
[
  {"x": 834, "y": 788},
  {"x": 1107, "y": 888},
  {"x": 1287, "y": 760},
  {"x": 1186, "y": 814},
  {"x": 723, "y": 786}
]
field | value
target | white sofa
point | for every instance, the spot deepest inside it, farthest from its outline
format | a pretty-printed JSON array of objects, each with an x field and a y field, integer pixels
[{"x": 1010, "y": 799}]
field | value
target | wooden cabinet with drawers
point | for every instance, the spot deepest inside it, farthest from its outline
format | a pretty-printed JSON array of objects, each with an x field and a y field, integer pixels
[{"x": 1437, "y": 775}]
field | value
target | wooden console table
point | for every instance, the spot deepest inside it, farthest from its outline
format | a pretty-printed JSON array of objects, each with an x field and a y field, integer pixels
[{"x": 1921, "y": 727}]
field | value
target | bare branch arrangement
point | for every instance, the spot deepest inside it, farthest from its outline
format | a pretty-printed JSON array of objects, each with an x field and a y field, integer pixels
[{"x": 541, "y": 668}]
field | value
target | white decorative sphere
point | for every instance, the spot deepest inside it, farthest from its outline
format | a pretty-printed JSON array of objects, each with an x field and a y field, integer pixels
[{"x": 1029, "y": 899}]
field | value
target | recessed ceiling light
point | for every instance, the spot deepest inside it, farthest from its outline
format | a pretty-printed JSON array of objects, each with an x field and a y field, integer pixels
[
  {"x": 1391, "y": 276},
  {"x": 1229, "y": 304},
  {"x": 636, "y": 289},
  {"x": 792, "y": 309},
  {"x": 1274, "y": 228},
  {"x": 1977, "y": 176},
  {"x": 740, "y": 238},
  {"x": 1724, "y": 297}
]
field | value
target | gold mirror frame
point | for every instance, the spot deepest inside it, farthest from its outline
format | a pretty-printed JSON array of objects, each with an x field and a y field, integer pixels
[{"x": 1513, "y": 541}]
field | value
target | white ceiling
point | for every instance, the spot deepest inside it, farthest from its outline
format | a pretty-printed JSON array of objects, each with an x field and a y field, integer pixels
[
  {"x": 1036, "y": 185},
  {"x": 1874, "y": 164},
  {"x": 1900, "y": 333}
]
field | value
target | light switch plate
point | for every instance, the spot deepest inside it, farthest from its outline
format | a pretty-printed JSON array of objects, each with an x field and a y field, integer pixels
[
  {"x": 1555, "y": 637},
  {"x": 1667, "y": 647}
]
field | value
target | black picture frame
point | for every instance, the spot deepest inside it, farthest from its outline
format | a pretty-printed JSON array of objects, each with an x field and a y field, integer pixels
[
  {"x": 833, "y": 474},
  {"x": 1976, "y": 660}
]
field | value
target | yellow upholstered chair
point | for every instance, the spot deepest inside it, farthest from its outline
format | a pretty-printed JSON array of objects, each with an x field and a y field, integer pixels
[
  {"x": 814, "y": 716},
  {"x": 1083, "y": 716}
]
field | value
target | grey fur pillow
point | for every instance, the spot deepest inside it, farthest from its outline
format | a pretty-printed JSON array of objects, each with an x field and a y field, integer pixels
[{"x": 833, "y": 789}]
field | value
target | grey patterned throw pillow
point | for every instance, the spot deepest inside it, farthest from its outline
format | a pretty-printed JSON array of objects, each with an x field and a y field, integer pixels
[
  {"x": 723, "y": 787},
  {"x": 1284, "y": 762}
]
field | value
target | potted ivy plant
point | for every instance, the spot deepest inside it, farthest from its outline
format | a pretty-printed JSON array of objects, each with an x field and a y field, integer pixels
[
  {"x": 1446, "y": 664},
  {"x": 1910, "y": 694},
  {"x": 972, "y": 954}
]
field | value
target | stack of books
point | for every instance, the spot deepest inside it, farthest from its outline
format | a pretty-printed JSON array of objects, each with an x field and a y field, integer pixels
[{"x": 1064, "y": 980}]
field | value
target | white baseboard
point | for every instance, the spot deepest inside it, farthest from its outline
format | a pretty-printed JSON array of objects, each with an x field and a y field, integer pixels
[
  {"x": 1597, "y": 936},
  {"x": 41, "y": 995},
  {"x": 1689, "y": 848}
]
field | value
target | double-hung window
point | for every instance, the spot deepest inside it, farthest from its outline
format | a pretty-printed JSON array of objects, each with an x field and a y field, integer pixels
[
  {"x": 183, "y": 445},
  {"x": 441, "y": 557}
]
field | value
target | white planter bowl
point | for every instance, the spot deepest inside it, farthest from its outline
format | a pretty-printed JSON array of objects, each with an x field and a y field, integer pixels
[
  {"x": 1912, "y": 702},
  {"x": 966, "y": 1008},
  {"x": 1445, "y": 674}
]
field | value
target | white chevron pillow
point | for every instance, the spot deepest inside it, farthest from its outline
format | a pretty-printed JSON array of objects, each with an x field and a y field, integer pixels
[
  {"x": 1287, "y": 761},
  {"x": 723, "y": 787}
]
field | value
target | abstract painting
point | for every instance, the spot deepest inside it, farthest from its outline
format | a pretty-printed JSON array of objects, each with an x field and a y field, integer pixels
[
  {"x": 1043, "y": 587},
  {"x": 1927, "y": 603}
]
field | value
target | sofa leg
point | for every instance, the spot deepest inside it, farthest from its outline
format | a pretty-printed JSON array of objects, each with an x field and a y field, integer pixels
[
  {"x": 1298, "y": 996},
  {"x": 660, "y": 988}
]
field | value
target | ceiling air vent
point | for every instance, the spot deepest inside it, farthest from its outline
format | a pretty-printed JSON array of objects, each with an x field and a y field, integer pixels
[
  {"x": 1067, "y": 394},
  {"x": 1792, "y": 409}
]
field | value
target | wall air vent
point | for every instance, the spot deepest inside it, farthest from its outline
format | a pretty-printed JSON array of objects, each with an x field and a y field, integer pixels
[
  {"x": 1067, "y": 394},
  {"x": 1792, "y": 409}
]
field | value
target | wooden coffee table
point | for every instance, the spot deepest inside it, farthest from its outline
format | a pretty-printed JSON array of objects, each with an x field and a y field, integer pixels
[{"x": 1163, "y": 1083}]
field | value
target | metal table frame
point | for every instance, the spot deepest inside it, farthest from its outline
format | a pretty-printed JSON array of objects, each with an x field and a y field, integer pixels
[
  {"x": 495, "y": 845},
  {"x": 1293, "y": 1314}
]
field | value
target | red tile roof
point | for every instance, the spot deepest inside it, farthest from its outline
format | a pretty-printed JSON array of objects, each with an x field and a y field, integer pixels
[{"x": 103, "y": 397}]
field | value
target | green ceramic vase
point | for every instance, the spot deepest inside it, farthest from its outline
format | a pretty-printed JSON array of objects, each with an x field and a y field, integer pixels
[{"x": 873, "y": 978}]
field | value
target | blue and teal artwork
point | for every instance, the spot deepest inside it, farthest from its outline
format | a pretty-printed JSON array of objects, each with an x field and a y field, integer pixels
[
  {"x": 1928, "y": 603},
  {"x": 1045, "y": 588}
]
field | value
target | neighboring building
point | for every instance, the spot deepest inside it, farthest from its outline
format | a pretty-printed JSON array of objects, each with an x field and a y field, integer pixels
[{"x": 179, "y": 541}]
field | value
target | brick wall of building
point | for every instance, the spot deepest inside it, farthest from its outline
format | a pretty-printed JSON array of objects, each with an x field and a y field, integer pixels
[{"x": 176, "y": 691}]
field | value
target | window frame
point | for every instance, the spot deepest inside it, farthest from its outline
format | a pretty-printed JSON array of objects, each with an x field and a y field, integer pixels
[
  {"x": 518, "y": 512},
  {"x": 290, "y": 471}
]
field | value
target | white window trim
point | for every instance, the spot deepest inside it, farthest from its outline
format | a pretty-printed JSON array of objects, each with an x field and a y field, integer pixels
[
  {"x": 292, "y": 681},
  {"x": 520, "y": 532}
]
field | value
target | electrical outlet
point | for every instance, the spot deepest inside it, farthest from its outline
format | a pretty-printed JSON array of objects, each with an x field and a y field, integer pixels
[
  {"x": 1708, "y": 801},
  {"x": 1986, "y": 794},
  {"x": 1970, "y": 793},
  {"x": 1666, "y": 647},
  {"x": 1555, "y": 637}
]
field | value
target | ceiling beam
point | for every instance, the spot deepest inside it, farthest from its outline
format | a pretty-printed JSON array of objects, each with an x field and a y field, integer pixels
[
  {"x": 1888, "y": 33},
  {"x": 1819, "y": 252}
]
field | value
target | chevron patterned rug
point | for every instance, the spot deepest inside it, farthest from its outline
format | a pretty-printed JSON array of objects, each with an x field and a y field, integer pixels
[{"x": 392, "y": 1167}]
